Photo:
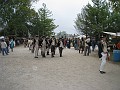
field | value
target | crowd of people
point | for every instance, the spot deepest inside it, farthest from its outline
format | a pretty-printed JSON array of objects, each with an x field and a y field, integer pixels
[
  {"x": 45, "y": 44},
  {"x": 48, "y": 45},
  {"x": 5, "y": 45},
  {"x": 82, "y": 45}
]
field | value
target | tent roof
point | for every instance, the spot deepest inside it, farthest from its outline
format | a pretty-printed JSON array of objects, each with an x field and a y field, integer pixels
[
  {"x": 2, "y": 37},
  {"x": 113, "y": 34}
]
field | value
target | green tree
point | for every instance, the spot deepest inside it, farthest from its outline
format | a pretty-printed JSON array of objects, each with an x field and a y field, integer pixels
[
  {"x": 93, "y": 18},
  {"x": 18, "y": 18},
  {"x": 15, "y": 16},
  {"x": 114, "y": 21},
  {"x": 47, "y": 23},
  {"x": 62, "y": 34}
]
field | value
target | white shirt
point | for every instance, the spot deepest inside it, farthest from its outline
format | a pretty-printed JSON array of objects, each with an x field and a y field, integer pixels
[
  {"x": 3, "y": 45},
  {"x": 53, "y": 42},
  {"x": 61, "y": 44},
  {"x": 87, "y": 41}
]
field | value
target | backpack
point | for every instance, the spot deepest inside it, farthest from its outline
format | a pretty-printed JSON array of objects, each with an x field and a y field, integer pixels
[{"x": 11, "y": 44}]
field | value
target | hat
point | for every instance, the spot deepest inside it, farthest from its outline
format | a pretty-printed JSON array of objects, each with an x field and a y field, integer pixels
[
  {"x": 43, "y": 36},
  {"x": 101, "y": 36},
  {"x": 53, "y": 35},
  {"x": 36, "y": 36},
  {"x": 47, "y": 37}
]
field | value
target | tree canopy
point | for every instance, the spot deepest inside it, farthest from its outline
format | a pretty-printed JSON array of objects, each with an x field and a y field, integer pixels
[
  {"x": 99, "y": 17},
  {"x": 18, "y": 18}
]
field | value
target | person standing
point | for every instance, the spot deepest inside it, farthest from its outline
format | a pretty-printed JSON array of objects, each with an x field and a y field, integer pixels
[
  {"x": 43, "y": 48},
  {"x": 48, "y": 45},
  {"x": 25, "y": 42},
  {"x": 82, "y": 45},
  {"x": 104, "y": 55},
  {"x": 87, "y": 46},
  {"x": 65, "y": 42},
  {"x": 76, "y": 44},
  {"x": 4, "y": 47},
  {"x": 68, "y": 43},
  {"x": 36, "y": 42},
  {"x": 93, "y": 43},
  {"x": 61, "y": 46},
  {"x": 12, "y": 44},
  {"x": 53, "y": 44},
  {"x": 33, "y": 45},
  {"x": 8, "y": 43}
]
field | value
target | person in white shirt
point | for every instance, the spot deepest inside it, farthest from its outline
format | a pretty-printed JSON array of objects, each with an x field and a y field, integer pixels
[
  {"x": 87, "y": 46},
  {"x": 104, "y": 55},
  {"x": 60, "y": 45},
  {"x": 4, "y": 47}
]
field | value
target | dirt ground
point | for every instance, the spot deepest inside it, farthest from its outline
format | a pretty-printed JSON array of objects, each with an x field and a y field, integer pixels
[{"x": 21, "y": 71}]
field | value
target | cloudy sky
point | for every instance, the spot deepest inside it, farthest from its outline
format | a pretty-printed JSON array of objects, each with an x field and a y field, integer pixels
[{"x": 64, "y": 12}]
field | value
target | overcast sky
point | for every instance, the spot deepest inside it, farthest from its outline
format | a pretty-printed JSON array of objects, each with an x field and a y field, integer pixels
[{"x": 64, "y": 12}]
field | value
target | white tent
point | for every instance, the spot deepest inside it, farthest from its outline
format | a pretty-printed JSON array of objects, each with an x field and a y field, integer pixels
[
  {"x": 2, "y": 37},
  {"x": 113, "y": 34},
  {"x": 80, "y": 36}
]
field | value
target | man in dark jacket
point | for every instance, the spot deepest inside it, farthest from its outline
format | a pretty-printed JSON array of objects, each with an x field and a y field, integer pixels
[
  {"x": 100, "y": 49},
  {"x": 61, "y": 46},
  {"x": 53, "y": 44}
]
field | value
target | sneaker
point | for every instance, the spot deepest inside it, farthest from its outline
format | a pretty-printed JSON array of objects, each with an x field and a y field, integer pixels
[
  {"x": 102, "y": 72},
  {"x": 36, "y": 57}
]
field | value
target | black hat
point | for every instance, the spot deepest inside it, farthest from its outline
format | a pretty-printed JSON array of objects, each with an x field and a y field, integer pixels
[
  {"x": 36, "y": 35},
  {"x": 53, "y": 35}
]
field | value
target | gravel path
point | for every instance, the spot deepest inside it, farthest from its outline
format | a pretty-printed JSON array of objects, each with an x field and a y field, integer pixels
[{"x": 21, "y": 71}]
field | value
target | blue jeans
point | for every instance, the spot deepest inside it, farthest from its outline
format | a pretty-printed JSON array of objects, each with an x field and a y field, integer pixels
[
  {"x": 4, "y": 50},
  {"x": 7, "y": 49}
]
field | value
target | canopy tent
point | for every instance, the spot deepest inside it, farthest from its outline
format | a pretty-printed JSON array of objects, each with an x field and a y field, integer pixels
[
  {"x": 113, "y": 34},
  {"x": 2, "y": 37},
  {"x": 80, "y": 36}
]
